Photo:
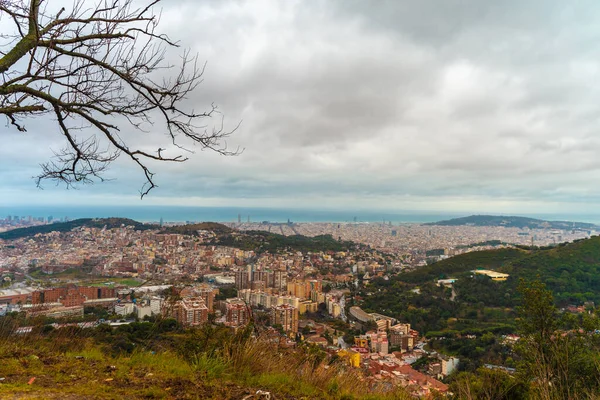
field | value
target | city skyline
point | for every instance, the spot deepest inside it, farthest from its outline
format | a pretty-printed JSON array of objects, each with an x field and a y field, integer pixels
[{"x": 460, "y": 108}]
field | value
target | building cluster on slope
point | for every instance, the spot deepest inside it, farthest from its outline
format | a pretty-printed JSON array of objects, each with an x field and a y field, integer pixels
[{"x": 373, "y": 352}]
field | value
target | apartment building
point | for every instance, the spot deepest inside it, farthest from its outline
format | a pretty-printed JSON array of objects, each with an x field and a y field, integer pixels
[
  {"x": 191, "y": 311},
  {"x": 286, "y": 316},
  {"x": 237, "y": 312}
]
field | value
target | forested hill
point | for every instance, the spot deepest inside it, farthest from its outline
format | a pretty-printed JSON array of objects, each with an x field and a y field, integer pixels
[
  {"x": 109, "y": 223},
  {"x": 260, "y": 241},
  {"x": 513, "y": 222},
  {"x": 455, "y": 267},
  {"x": 192, "y": 229},
  {"x": 571, "y": 271}
]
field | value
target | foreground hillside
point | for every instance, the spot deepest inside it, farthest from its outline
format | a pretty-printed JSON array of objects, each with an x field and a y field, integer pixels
[{"x": 161, "y": 361}]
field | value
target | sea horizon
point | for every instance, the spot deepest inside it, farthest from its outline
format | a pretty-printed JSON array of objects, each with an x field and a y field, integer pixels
[{"x": 180, "y": 214}]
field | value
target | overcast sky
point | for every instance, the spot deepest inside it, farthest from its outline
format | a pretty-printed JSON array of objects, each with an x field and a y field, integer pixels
[{"x": 475, "y": 106}]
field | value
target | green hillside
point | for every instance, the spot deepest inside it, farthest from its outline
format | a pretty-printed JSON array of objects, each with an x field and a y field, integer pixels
[
  {"x": 571, "y": 271},
  {"x": 192, "y": 229},
  {"x": 67, "y": 226},
  {"x": 272, "y": 242},
  {"x": 454, "y": 266}
]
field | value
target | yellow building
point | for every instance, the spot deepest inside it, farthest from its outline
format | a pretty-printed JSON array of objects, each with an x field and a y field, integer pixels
[
  {"x": 307, "y": 306},
  {"x": 296, "y": 289},
  {"x": 336, "y": 310},
  {"x": 496, "y": 276},
  {"x": 353, "y": 357}
]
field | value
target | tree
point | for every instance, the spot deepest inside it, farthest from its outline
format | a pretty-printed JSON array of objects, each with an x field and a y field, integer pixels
[
  {"x": 538, "y": 315},
  {"x": 558, "y": 357},
  {"x": 488, "y": 384},
  {"x": 370, "y": 325},
  {"x": 306, "y": 330},
  {"x": 99, "y": 67}
]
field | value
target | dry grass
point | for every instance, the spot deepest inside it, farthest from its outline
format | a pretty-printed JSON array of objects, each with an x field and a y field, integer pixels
[{"x": 78, "y": 367}]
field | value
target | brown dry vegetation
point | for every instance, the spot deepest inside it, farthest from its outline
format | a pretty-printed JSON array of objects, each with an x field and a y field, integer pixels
[{"x": 185, "y": 366}]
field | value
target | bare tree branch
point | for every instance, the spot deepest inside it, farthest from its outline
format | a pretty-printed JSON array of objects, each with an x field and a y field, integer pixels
[{"x": 96, "y": 67}]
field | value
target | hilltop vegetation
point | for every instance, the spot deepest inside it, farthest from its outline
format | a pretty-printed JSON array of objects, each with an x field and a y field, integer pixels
[
  {"x": 454, "y": 266},
  {"x": 272, "y": 242},
  {"x": 192, "y": 229},
  {"x": 513, "y": 222},
  {"x": 571, "y": 271},
  {"x": 99, "y": 223}
]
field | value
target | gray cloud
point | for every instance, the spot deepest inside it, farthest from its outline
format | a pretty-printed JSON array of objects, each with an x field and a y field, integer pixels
[{"x": 380, "y": 104}]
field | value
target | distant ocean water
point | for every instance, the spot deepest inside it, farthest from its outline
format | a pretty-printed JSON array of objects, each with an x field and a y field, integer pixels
[
  {"x": 222, "y": 214},
  {"x": 230, "y": 214}
]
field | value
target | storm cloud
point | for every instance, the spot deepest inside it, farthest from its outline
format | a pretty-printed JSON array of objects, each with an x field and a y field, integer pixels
[{"x": 454, "y": 105}]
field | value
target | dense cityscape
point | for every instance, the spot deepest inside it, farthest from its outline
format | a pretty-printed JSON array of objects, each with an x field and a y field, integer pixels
[{"x": 302, "y": 296}]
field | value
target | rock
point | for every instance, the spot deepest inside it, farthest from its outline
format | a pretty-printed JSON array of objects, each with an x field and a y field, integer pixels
[{"x": 259, "y": 395}]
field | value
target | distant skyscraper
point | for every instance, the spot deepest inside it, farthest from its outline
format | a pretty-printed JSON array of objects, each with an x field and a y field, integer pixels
[
  {"x": 239, "y": 218},
  {"x": 161, "y": 222}
]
